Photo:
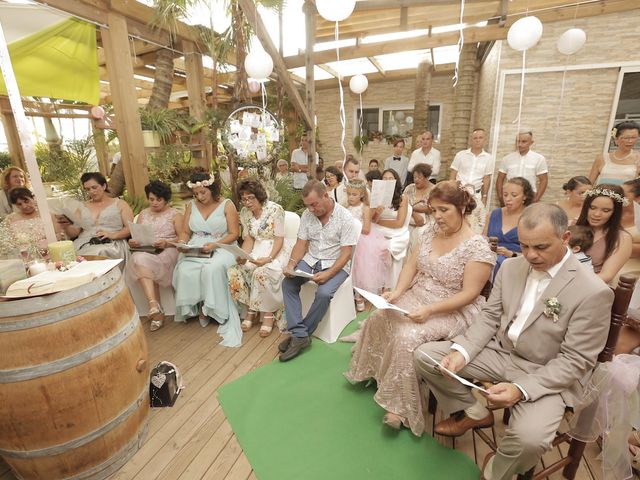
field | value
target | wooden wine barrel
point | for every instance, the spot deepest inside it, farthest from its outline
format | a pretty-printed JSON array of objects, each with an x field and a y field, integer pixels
[{"x": 74, "y": 382}]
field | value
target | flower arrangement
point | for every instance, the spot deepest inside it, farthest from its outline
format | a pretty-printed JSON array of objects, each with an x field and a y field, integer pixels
[
  {"x": 605, "y": 192},
  {"x": 377, "y": 135},
  {"x": 552, "y": 308},
  {"x": 202, "y": 183}
]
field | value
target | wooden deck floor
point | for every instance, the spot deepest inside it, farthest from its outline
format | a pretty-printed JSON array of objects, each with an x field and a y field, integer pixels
[{"x": 193, "y": 440}]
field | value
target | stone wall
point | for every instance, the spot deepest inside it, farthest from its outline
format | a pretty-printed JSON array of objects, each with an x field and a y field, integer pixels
[{"x": 381, "y": 93}]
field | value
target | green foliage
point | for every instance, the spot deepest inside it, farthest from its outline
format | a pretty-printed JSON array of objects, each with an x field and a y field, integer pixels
[
  {"x": 359, "y": 142},
  {"x": 290, "y": 199},
  {"x": 160, "y": 120},
  {"x": 137, "y": 204},
  {"x": 66, "y": 165},
  {"x": 5, "y": 160},
  {"x": 170, "y": 164}
]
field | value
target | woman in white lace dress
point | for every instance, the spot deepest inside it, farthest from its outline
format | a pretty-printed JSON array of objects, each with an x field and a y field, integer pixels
[{"x": 440, "y": 286}]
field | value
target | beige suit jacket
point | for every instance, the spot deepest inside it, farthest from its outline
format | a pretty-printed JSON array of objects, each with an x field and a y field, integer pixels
[{"x": 550, "y": 357}]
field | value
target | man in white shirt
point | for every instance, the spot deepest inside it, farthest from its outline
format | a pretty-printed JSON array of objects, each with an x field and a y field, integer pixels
[
  {"x": 425, "y": 154},
  {"x": 351, "y": 172},
  {"x": 300, "y": 163},
  {"x": 474, "y": 166},
  {"x": 524, "y": 163},
  {"x": 537, "y": 337},
  {"x": 398, "y": 161}
]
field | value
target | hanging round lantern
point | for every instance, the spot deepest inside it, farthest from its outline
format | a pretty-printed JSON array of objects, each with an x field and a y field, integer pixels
[
  {"x": 335, "y": 10},
  {"x": 571, "y": 41},
  {"x": 254, "y": 85},
  {"x": 358, "y": 84},
  {"x": 97, "y": 112},
  {"x": 400, "y": 116},
  {"x": 524, "y": 33},
  {"x": 258, "y": 65}
]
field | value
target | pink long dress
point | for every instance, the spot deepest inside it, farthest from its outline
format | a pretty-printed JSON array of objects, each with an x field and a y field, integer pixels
[
  {"x": 158, "y": 267},
  {"x": 384, "y": 352}
]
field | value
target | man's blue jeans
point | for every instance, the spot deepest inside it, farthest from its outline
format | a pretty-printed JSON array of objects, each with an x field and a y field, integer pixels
[{"x": 303, "y": 327}]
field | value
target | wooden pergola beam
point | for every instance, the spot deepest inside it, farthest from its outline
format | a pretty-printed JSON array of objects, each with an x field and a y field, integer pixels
[
  {"x": 330, "y": 70},
  {"x": 376, "y": 64},
  {"x": 253, "y": 17},
  {"x": 488, "y": 33}
]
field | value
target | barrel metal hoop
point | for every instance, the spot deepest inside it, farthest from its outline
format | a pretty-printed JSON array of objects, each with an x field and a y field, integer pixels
[
  {"x": 89, "y": 437},
  {"x": 55, "y": 366},
  {"x": 64, "y": 314}
]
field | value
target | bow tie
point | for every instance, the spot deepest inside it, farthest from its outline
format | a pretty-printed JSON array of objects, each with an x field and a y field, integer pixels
[{"x": 397, "y": 158}]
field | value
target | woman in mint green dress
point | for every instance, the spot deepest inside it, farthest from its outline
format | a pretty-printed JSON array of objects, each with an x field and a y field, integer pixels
[{"x": 201, "y": 284}]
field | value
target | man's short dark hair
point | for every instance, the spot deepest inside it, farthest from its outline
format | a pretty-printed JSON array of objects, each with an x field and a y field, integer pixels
[{"x": 314, "y": 186}]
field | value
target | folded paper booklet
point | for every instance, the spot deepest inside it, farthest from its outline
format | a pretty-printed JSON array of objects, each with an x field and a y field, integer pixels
[
  {"x": 194, "y": 250},
  {"x": 56, "y": 281},
  {"x": 378, "y": 301},
  {"x": 143, "y": 234}
]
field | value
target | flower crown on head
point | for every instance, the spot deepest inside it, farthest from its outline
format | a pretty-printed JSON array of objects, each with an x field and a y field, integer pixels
[
  {"x": 357, "y": 184},
  {"x": 605, "y": 192},
  {"x": 202, "y": 183},
  {"x": 469, "y": 188}
]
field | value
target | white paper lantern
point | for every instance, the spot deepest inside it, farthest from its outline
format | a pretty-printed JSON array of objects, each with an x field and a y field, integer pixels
[
  {"x": 400, "y": 116},
  {"x": 358, "y": 84},
  {"x": 524, "y": 33},
  {"x": 571, "y": 41},
  {"x": 258, "y": 65},
  {"x": 335, "y": 10}
]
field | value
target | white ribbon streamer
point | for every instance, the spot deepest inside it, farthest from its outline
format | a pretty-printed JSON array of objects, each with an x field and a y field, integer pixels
[
  {"x": 460, "y": 44},
  {"x": 517, "y": 120},
  {"x": 342, "y": 114}
]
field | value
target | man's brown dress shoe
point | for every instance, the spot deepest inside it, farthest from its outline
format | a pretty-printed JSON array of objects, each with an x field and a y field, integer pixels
[{"x": 459, "y": 423}]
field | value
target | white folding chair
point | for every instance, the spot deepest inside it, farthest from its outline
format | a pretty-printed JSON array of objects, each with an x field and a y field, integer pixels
[{"x": 341, "y": 309}]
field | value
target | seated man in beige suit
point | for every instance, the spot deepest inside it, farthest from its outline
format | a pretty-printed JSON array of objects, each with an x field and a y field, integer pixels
[{"x": 537, "y": 339}]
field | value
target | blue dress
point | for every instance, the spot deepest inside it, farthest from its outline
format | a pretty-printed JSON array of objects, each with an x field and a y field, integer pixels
[
  {"x": 204, "y": 280},
  {"x": 507, "y": 240}
]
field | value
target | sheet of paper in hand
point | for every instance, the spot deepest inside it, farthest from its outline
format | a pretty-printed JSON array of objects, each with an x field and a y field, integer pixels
[
  {"x": 378, "y": 301},
  {"x": 303, "y": 274},
  {"x": 463, "y": 381},
  {"x": 143, "y": 234},
  {"x": 381, "y": 193},
  {"x": 235, "y": 250}
]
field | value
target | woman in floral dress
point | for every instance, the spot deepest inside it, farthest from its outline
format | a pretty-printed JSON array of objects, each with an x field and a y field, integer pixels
[
  {"x": 256, "y": 283},
  {"x": 440, "y": 287}
]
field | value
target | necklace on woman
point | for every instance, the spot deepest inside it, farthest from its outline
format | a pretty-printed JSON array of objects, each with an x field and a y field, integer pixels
[{"x": 615, "y": 156}]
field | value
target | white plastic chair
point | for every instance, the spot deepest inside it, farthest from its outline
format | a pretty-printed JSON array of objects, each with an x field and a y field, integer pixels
[
  {"x": 341, "y": 309},
  {"x": 291, "y": 225}
]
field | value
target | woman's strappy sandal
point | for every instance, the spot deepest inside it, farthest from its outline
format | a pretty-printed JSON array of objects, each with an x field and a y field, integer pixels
[
  {"x": 247, "y": 323},
  {"x": 156, "y": 315},
  {"x": 265, "y": 330}
]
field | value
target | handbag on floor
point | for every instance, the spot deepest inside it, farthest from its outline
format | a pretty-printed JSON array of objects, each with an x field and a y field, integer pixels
[{"x": 165, "y": 385}]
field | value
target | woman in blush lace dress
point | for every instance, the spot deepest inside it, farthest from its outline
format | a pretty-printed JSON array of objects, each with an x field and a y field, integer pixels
[
  {"x": 155, "y": 270},
  {"x": 440, "y": 286}
]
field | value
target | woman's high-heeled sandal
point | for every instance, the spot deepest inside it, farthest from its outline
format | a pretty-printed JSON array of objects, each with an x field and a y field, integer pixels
[
  {"x": 265, "y": 330},
  {"x": 156, "y": 315},
  {"x": 247, "y": 323}
]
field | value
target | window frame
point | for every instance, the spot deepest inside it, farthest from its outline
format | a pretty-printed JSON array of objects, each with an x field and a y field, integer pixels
[{"x": 395, "y": 106}]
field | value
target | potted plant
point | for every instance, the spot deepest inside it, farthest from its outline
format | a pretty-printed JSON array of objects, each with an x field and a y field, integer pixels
[
  {"x": 359, "y": 142},
  {"x": 377, "y": 136},
  {"x": 157, "y": 125}
]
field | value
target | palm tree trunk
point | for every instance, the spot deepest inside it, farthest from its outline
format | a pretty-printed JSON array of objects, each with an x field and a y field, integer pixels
[{"x": 163, "y": 80}]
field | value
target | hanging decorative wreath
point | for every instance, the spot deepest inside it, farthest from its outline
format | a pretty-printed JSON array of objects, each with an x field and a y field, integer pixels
[{"x": 252, "y": 134}]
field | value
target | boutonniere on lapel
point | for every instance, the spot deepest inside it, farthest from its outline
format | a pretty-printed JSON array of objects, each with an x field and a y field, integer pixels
[{"x": 552, "y": 308}]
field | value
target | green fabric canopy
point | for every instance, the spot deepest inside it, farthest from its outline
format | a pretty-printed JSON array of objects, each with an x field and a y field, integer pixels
[{"x": 58, "y": 62}]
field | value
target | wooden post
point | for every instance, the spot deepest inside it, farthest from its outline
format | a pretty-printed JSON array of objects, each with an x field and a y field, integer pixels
[
  {"x": 464, "y": 98},
  {"x": 115, "y": 41},
  {"x": 310, "y": 88},
  {"x": 195, "y": 88},
  {"x": 421, "y": 104},
  {"x": 101, "y": 148},
  {"x": 13, "y": 139}
]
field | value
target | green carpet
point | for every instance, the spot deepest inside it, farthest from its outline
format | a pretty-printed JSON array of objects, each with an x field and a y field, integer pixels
[{"x": 302, "y": 420}]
